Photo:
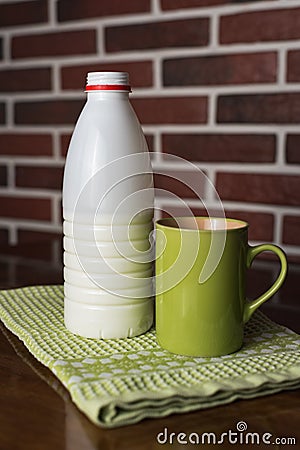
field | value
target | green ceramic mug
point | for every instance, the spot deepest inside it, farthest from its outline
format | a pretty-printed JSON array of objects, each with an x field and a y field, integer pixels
[{"x": 201, "y": 263}]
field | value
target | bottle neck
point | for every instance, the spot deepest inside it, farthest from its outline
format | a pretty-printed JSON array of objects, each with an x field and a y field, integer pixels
[
  {"x": 107, "y": 95},
  {"x": 107, "y": 85}
]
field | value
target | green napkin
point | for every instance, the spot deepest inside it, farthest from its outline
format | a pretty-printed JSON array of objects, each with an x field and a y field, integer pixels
[{"x": 118, "y": 382}]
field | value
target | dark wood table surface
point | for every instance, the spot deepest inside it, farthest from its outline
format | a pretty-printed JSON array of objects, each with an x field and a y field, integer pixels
[{"x": 36, "y": 410}]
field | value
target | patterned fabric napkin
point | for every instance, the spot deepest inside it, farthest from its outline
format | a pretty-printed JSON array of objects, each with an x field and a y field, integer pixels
[{"x": 119, "y": 382}]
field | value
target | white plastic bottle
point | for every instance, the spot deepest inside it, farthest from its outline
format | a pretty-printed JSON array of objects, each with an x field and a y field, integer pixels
[{"x": 108, "y": 216}]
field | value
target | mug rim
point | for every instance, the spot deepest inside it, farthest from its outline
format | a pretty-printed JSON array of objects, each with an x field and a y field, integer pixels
[{"x": 240, "y": 224}]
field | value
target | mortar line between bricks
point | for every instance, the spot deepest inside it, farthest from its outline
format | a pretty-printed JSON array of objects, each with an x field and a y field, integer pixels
[
  {"x": 224, "y": 10},
  {"x": 278, "y": 227},
  {"x": 155, "y": 8},
  {"x": 220, "y": 128},
  {"x": 214, "y": 32},
  {"x": 37, "y": 129},
  {"x": 55, "y": 209},
  {"x": 55, "y": 79},
  {"x": 157, "y": 73},
  {"x": 52, "y": 13},
  {"x": 100, "y": 43},
  {"x": 260, "y": 207},
  {"x": 6, "y": 50},
  {"x": 209, "y": 192},
  {"x": 242, "y": 167},
  {"x": 32, "y": 161},
  {"x": 11, "y": 174},
  {"x": 31, "y": 224},
  {"x": 282, "y": 67},
  {"x": 212, "y": 109},
  {"x": 243, "y": 89},
  {"x": 166, "y": 128},
  {"x": 29, "y": 192},
  {"x": 280, "y": 150},
  {"x": 234, "y": 206},
  {"x": 9, "y": 114},
  {"x": 164, "y": 92},
  {"x": 56, "y": 150},
  {"x": 157, "y": 145},
  {"x": 13, "y": 235}
]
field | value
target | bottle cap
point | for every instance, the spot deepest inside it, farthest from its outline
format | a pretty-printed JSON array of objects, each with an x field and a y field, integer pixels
[{"x": 107, "y": 81}]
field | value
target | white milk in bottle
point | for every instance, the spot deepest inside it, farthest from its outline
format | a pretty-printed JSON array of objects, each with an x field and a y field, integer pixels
[{"x": 108, "y": 216}]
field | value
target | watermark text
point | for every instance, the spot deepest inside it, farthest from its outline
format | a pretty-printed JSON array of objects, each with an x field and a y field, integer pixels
[{"x": 238, "y": 436}]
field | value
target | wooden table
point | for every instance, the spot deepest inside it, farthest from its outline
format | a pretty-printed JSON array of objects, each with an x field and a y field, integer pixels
[{"x": 37, "y": 413}]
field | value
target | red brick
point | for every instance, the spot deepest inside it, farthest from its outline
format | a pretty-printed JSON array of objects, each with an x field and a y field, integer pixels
[
  {"x": 3, "y": 175},
  {"x": 25, "y": 208},
  {"x": 221, "y": 147},
  {"x": 293, "y": 66},
  {"x": 168, "y": 34},
  {"x": 293, "y": 148},
  {"x": 259, "y": 188},
  {"x": 221, "y": 69},
  {"x": 64, "y": 144},
  {"x": 291, "y": 230},
  {"x": 260, "y": 224},
  {"x": 32, "y": 236},
  {"x": 178, "y": 4},
  {"x": 23, "y": 13},
  {"x": 186, "y": 210},
  {"x": 182, "y": 184},
  {"x": 3, "y": 236},
  {"x": 20, "y": 144},
  {"x": 62, "y": 43},
  {"x": 79, "y": 10},
  {"x": 48, "y": 112},
  {"x": 259, "y": 108},
  {"x": 150, "y": 142},
  {"x": 140, "y": 72},
  {"x": 19, "y": 80},
  {"x": 171, "y": 210},
  {"x": 157, "y": 110},
  {"x": 39, "y": 177},
  {"x": 2, "y": 113},
  {"x": 261, "y": 26}
]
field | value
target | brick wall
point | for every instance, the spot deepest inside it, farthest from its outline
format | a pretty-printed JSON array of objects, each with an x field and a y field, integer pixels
[{"x": 216, "y": 82}]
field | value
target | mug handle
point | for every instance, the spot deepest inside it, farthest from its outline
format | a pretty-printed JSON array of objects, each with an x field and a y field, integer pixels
[{"x": 250, "y": 307}]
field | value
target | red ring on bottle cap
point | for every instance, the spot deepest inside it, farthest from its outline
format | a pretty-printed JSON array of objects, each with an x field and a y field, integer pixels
[{"x": 108, "y": 87}]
